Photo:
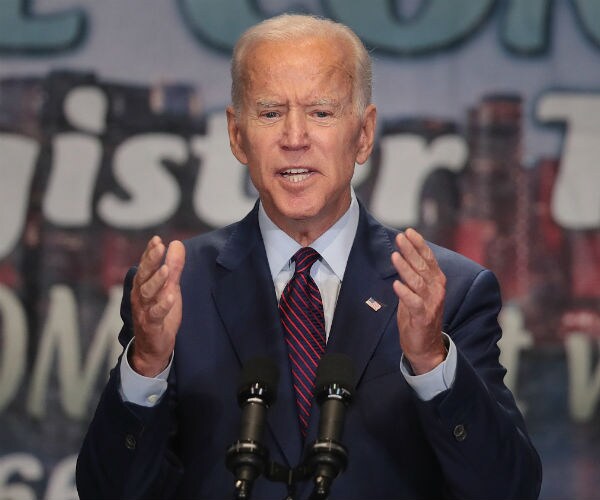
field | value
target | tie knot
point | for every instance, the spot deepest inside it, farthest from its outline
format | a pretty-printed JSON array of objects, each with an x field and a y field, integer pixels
[{"x": 304, "y": 259}]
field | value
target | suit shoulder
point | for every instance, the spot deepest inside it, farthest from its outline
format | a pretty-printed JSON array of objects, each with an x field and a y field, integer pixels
[
  {"x": 205, "y": 248},
  {"x": 451, "y": 261},
  {"x": 215, "y": 238}
]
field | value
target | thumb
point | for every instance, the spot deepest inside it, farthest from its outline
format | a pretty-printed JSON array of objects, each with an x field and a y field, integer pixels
[{"x": 175, "y": 259}]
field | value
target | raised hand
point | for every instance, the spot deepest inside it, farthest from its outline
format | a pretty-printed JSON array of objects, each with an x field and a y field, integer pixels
[
  {"x": 421, "y": 291},
  {"x": 156, "y": 306}
]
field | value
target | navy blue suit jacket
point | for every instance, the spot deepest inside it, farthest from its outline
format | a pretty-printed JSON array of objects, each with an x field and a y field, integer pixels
[{"x": 399, "y": 446}]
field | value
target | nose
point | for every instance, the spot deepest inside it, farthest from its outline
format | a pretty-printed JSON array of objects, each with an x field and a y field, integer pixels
[{"x": 294, "y": 135}]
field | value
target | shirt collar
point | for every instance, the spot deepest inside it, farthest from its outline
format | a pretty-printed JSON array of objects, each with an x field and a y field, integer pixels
[{"x": 334, "y": 244}]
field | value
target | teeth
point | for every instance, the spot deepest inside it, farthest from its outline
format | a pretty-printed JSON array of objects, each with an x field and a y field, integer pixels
[
  {"x": 296, "y": 174},
  {"x": 297, "y": 178},
  {"x": 295, "y": 171}
]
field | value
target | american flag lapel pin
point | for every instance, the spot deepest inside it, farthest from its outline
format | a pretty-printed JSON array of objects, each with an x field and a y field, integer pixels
[{"x": 373, "y": 304}]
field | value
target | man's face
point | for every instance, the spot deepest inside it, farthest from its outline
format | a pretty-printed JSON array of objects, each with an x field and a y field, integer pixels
[{"x": 299, "y": 133}]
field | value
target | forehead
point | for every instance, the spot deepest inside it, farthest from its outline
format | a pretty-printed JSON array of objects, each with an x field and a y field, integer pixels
[{"x": 316, "y": 63}]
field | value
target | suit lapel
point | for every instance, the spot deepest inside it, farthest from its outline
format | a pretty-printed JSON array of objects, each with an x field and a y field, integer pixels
[
  {"x": 246, "y": 301},
  {"x": 357, "y": 327}
]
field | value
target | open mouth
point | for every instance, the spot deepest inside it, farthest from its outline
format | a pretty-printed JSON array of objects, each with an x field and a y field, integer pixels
[{"x": 296, "y": 174}]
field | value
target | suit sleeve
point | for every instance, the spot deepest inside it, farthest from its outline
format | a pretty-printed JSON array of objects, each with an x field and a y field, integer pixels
[
  {"x": 475, "y": 427},
  {"x": 125, "y": 452}
]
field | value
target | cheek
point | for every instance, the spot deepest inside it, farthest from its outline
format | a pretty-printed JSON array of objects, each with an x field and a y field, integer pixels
[
  {"x": 259, "y": 172},
  {"x": 344, "y": 153},
  {"x": 261, "y": 145}
]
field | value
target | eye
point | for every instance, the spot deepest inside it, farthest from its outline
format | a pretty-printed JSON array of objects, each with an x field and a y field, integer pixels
[
  {"x": 321, "y": 114},
  {"x": 270, "y": 115}
]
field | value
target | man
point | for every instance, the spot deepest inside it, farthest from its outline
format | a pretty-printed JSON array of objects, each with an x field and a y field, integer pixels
[{"x": 431, "y": 417}]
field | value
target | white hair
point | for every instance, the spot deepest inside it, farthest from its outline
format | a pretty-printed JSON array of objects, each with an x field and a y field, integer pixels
[{"x": 288, "y": 27}]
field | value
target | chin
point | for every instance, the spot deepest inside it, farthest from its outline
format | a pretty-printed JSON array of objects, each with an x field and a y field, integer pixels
[
  {"x": 299, "y": 215},
  {"x": 300, "y": 208}
]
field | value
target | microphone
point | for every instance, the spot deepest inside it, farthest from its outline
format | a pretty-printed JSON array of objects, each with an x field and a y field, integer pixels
[
  {"x": 246, "y": 458},
  {"x": 333, "y": 391}
]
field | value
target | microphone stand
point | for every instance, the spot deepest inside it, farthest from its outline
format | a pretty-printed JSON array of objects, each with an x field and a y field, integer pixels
[
  {"x": 247, "y": 458},
  {"x": 327, "y": 459},
  {"x": 333, "y": 392}
]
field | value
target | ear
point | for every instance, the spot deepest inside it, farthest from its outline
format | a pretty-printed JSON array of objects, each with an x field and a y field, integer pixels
[
  {"x": 235, "y": 136},
  {"x": 367, "y": 134}
]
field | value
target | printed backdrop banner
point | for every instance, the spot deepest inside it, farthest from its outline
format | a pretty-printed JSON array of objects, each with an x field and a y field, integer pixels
[{"x": 112, "y": 129}]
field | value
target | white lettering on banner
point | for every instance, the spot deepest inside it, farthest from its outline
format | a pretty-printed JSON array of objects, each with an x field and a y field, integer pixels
[
  {"x": 575, "y": 200},
  {"x": 76, "y": 159},
  {"x": 14, "y": 345},
  {"x": 584, "y": 381},
  {"x": 154, "y": 193},
  {"x": 61, "y": 485},
  {"x": 219, "y": 194},
  {"x": 75, "y": 165},
  {"x": 515, "y": 338},
  {"x": 85, "y": 107},
  {"x": 18, "y": 468},
  {"x": 17, "y": 167},
  {"x": 23, "y": 466},
  {"x": 407, "y": 160},
  {"x": 60, "y": 337}
]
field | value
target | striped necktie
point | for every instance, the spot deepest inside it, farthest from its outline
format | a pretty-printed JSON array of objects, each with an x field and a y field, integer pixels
[{"x": 303, "y": 322}]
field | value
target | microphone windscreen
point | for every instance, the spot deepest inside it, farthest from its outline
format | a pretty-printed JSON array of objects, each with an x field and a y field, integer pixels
[
  {"x": 335, "y": 368},
  {"x": 260, "y": 370}
]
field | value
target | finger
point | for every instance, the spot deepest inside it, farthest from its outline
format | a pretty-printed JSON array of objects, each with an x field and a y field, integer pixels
[
  {"x": 409, "y": 276},
  {"x": 434, "y": 275},
  {"x": 152, "y": 286},
  {"x": 411, "y": 254},
  {"x": 152, "y": 243},
  {"x": 175, "y": 260},
  {"x": 151, "y": 260},
  {"x": 418, "y": 254},
  {"x": 408, "y": 299},
  {"x": 421, "y": 246},
  {"x": 161, "y": 308}
]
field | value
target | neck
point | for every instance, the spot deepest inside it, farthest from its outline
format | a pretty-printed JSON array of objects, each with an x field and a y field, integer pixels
[
  {"x": 302, "y": 231},
  {"x": 306, "y": 231},
  {"x": 306, "y": 236}
]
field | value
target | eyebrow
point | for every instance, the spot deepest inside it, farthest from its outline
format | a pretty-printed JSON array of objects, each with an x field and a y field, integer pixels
[
  {"x": 325, "y": 102},
  {"x": 264, "y": 103}
]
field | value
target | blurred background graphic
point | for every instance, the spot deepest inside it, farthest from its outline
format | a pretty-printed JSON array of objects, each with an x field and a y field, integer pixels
[{"x": 112, "y": 129}]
